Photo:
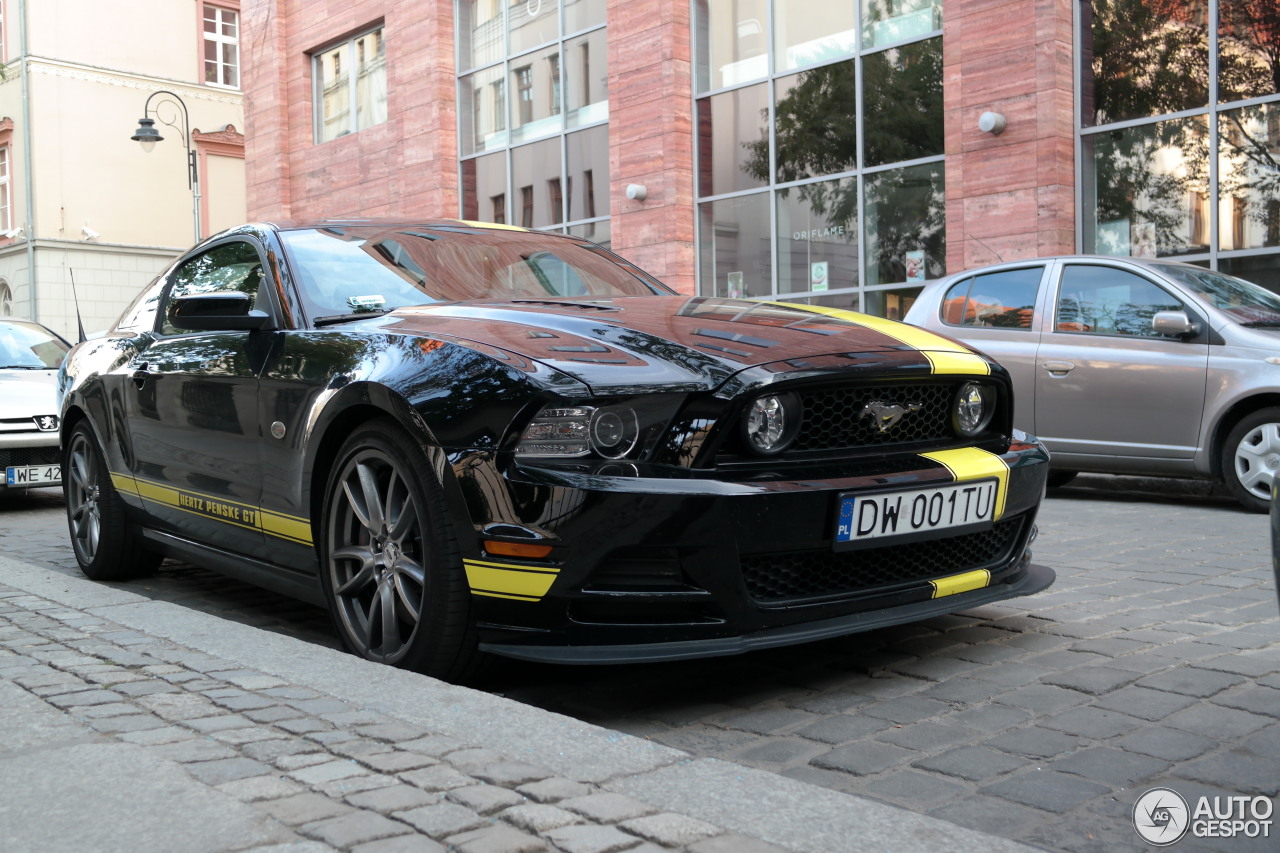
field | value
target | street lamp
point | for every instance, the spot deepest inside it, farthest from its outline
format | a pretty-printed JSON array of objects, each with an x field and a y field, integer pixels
[{"x": 147, "y": 136}]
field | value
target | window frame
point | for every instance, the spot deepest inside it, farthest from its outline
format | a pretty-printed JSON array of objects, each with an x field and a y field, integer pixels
[
  {"x": 348, "y": 46},
  {"x": 231, "y": 8}
]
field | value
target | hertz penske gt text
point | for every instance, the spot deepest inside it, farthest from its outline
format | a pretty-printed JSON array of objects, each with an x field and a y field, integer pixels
[{"x": 465, "y": 438}]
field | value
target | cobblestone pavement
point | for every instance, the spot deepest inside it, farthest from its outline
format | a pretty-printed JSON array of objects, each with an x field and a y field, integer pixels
[{"x": 1153, "y": 661}]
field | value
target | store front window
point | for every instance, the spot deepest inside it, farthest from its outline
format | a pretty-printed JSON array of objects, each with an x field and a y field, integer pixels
[
  {"x": 533, "y": 111},
  {"x": 819, "y": 142},
  {"x": 1180, "y": 133}
]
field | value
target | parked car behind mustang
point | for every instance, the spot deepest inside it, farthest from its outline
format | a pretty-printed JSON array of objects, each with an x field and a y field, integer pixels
[
  {"x": 30, "y": 356},
  {"x": 1128, "y": 366},
  {"x": 466, "y": 439}
]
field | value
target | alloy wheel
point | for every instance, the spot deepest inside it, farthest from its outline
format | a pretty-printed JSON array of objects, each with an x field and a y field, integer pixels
[{"x": 83, "y": 493}]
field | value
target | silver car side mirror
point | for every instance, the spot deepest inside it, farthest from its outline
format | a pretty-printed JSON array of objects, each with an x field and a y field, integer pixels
[{"x": 1173, "y": 323}]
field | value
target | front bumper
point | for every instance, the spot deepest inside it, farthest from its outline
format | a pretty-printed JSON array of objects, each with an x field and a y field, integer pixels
[{"x": 648, "y": 567}]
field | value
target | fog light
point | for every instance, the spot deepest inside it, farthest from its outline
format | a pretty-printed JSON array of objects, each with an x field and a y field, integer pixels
[
  {"x": 771, "y": 423},
  {"x": 974, "y": 407}
]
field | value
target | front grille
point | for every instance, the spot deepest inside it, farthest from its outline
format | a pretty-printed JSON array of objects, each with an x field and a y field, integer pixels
[
  {"x": 29, "y": 456},
  {"x": 834, "y": 417},
  {"x": 772, "y": 578}
]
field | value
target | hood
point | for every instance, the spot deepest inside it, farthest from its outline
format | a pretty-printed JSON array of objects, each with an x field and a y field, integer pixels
[
  {"x": 679, "y": 342},
  {"x": 28, "y": 393}
]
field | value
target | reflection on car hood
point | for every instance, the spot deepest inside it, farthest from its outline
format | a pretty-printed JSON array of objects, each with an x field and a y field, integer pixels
[
  {"x": 27, "y": 393},
  {"x": 672, "y": 341}
]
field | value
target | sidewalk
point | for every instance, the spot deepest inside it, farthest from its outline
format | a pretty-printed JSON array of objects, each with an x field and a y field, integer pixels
[{"x": 135, "y": 725}]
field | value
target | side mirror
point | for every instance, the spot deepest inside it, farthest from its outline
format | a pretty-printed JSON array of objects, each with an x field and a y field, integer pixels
[
  {"x": 217, "y": 312},
  {"x": 1173, "y": 323}
]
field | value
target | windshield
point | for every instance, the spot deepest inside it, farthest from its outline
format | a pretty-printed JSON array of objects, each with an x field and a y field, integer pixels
[
  {"x": 1246, "y": 302},
  {"x": 370, "y": 270},
  {"x": 29, "y": 346}
]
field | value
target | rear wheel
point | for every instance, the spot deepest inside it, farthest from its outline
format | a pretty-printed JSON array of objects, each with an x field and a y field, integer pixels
[
  {"x": 1251, "y": 458},
  {"x": 105, "y": 545},
  {"x": 391, "y": 567}
]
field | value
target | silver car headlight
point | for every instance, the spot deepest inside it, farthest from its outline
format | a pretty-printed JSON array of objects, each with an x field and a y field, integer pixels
[
  {"x": 609, "y": 431},
  {"x": 973, "y": 407},
  {"x": 772, "y": 422}
]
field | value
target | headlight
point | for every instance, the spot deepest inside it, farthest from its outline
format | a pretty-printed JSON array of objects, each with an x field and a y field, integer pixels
[
  {"x": 771, "y": 423},
  {"x": 974, "y": 407},
  {"x": 574, "y": 431}
]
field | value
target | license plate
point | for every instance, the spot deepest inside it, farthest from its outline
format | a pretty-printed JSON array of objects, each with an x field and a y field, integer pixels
[
  {"x": 33, "y": 475},
  {"x": 879, "y": 517}
]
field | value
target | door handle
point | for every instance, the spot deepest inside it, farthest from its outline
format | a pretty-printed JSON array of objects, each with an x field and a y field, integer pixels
[
  {"x": 141, "y": 375},
  {"x": 1058, "y": 368}
]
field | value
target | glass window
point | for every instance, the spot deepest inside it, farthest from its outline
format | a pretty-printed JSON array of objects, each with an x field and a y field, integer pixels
[
  {"x": 1004, "y": 299},
  {"x": 905, "y": 225},
  {"x": 484, "y": 188},
  {"x": 6, "y": 191},
  {"x": 531, "y": 165},
  {"x": 889, "y": 21},
  {"x": 1262, "y": 270},
  {"x": 1145, "y": 191},
  {"x": 531, "y": 23},
  {"x": 1249, "y": 177},
  {"x": 351, "y": 86},
  {"x": 24, "y": 344},
  {"x": 818, "y": 236},
  {"x": 229, "y": 268},
  {"x": 588, "y": 189},
  {"x": 1248, "y": 49},
  {"x": 1107, "y": 301},
  {"x": 580, "y": 14},
  {"x": 1150, "y": 58},
  {"x": 586, "y": 76},
  {"x": 893, "y": 303},
  {"x": 536, "y": 110},
  {"x": 902, "y": 103},
  {"x": 733, "y": 140},
  {"x": 221, "y": 46},
  {"x": 482, "y": 111},
  {"x": 1245, "y": 301},
  {"x": 815, "y": 124},
  {"x": 808, "y": 34},
  {"x": 480, "y": 33},
  {"x": 732, "y": 42},
  {"x": 734, "y": 246}
]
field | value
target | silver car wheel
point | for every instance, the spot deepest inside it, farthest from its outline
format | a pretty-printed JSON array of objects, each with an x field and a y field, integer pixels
[
  {"x": 83, "y": 492},
  {"x": 375, "y": 557},
  {"x": 1257, "y": 459}
]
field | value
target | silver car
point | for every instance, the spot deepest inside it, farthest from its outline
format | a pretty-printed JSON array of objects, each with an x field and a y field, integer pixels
[
  {"x": 30, "y": 356},
  {"x": 1128, "y": 366}
]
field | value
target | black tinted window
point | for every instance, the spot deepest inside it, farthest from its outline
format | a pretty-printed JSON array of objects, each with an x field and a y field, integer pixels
[{"x": 230, "y": 268}]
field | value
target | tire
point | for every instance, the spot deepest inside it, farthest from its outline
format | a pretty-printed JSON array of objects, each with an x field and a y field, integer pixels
[
  {"x": 1058, "y": 477},
  {"x": 1251, "y": 457},
  {"x": 105, "y": 544},
  {"x": 389, "y": 560}
]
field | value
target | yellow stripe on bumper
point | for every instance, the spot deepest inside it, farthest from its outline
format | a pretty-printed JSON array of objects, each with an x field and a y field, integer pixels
[
  {"x": 945, "y": 356},
  {"x": 971, "y": 463},
  {"x": 960, "y": 583},
  {"x": 504, "y": 580}
]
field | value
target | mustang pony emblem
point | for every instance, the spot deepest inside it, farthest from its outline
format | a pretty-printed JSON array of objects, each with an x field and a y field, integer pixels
[{"x": 886, "y": 415}]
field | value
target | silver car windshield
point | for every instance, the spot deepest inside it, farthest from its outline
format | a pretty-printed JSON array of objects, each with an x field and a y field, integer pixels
[
  {"x": 1246, "y": 303},
  {"x": 28, "y": 346}
]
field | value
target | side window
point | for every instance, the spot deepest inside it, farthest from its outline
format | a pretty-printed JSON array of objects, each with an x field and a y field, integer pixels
[
  {"x": 229, "y": 268},
  {"x": 1004, "y": 299},
  {"x": 1107, "y": 301},
  {"x": 140, "y": 316}
]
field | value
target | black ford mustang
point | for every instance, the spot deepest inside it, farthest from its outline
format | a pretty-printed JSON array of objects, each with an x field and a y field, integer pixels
[{"x": 467, "y": 438}]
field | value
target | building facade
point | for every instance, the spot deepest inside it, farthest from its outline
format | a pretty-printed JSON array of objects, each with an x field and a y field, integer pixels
[
  {"x": 837, "y": 153},
  {"x": 81, "y": 202}
]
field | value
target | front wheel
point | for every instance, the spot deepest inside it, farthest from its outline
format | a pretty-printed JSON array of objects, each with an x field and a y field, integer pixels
[
  {"x": 391, "y": 567},
  {"x": 1251, "y": 458},
  {"x": 105, "y": 545}
]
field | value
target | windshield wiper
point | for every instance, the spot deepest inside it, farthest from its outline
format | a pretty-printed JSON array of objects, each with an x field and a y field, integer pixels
[
  {"x": 26, "y": 367},
  {"x": 335, "y": 319}
]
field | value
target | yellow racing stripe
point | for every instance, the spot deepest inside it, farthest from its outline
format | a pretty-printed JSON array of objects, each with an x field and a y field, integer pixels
[
  {"x": 972, "y": 463},
  {"x": 506, "y": 580},
  {"x": 960, "y": 583},
  {"x": 289, "y": 527},
  {"x": 946, "y": 357}
]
